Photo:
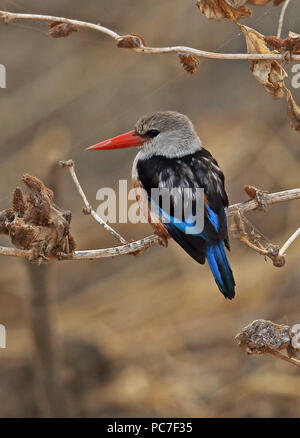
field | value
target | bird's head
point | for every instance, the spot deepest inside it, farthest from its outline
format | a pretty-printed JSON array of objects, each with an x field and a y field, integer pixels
[{"x": 166, "y": 133}]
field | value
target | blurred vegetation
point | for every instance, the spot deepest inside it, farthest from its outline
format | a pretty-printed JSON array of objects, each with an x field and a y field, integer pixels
[{"x": 147, "y": 336}]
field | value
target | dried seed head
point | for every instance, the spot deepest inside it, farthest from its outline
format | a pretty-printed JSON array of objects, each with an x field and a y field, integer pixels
[
  {"x": 262, "y": 336},
  {"x": 59, "y": 29},
  {"x": 36, "y": 185},
  {"x": 131, "y": 41},
  {"x": 251, "y": 191},
  {"x": 72, "y": 243},
  {"x": 19, "y": 204},
  {"x": 190, "y": 63},
  {"x": 6, "y": 217}
]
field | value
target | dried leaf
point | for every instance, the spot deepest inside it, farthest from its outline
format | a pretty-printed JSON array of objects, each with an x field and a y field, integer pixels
[
  {"x": 231, "y": 9},
  {"x": 59, "y": 29},
  {"x": 190, "y": 63},
  {"x": 267, "y": 72},
  {"x": 274, "y": 42},
  {"x": 293, "y": 111},
  {"x": 292, "y": 43},
  {"x": 131, "y": 41},
  {"x": 251, "y": 191},
  {"x": 254, "y": 40},
  {"x": 219, "y": 9}
]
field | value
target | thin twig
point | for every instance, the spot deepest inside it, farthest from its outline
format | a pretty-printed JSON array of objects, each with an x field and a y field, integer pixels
[
  {"x": 283, "y": 356},
  {"x": 238, "y": 231},
  {"x": 262, "y": 199},
  {"x": 293, "y": 237},
  {"x": 147, "y": 242},
  {"x": 88, "y": 209},
  {"x": 141, "y": 48},
  {"x": 269, "y": 199},
  {"x": 91, "y": 254},
  {"x": 281, "y": 18},
  {"x": 14, "y": 252}
]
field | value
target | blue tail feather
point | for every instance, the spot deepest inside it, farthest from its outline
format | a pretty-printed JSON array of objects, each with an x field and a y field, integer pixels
[{"x": 220, "y": 268}]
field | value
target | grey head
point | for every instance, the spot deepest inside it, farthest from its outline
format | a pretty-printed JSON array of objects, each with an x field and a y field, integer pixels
[{"x": 168, "y": 133}]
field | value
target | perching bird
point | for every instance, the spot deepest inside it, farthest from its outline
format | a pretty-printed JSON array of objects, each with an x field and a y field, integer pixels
[{"x": 171, "y": 156}]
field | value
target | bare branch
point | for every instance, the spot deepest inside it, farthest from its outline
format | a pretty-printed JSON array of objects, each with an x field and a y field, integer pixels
[
  {"x": 14, "y": 252},
  {"x": 11, "y": 16},
  {"x": 238, "y": 231},
  {"x": 91, "y": 254},
  {"x": 282, "y": 356},
  {"x": 269, "y": 199},
  {"x": 88, "y": 209},
  {"x": 262, "y": 200},
  {"x": 281, "y": 18},
  {"x": 266, "y": 337},
  {"x": 289, "y": 242},
  {"x": 138, "y": 45},
  {"x": 140, "y": 245}
]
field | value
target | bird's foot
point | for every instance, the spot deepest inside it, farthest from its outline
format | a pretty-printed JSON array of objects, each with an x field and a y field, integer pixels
[{"x": 162, "y": 240}]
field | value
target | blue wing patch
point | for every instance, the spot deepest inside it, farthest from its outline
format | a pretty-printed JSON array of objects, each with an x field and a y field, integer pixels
[{"x": 213, "y": 217}]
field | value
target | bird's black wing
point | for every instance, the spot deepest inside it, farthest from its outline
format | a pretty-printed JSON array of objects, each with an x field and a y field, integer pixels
[{"x": 199, "y": 170}]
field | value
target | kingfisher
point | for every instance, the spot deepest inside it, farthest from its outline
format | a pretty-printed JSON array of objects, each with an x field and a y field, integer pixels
[{"x": 172, "y": 157}]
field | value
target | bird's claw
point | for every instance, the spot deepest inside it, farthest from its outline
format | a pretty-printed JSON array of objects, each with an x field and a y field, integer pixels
[{"x": 162, "y": 240}]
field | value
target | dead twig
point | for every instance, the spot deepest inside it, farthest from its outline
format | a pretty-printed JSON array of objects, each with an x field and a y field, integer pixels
[
  {"x": 271, "y": 251},
  {"x": 290, "y": 240},
  {"x": 281, "y": 18},
  {"x": 61, "y": 246},
  {"x": 269, "y": 199},
  {"x": 135, "y": 42},
  {"x": 88, "y": 209},
  {"x": 274, "y": 252}
]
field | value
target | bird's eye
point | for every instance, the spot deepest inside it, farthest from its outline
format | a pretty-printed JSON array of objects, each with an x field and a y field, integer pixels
[{"x": 152, "y": 133}]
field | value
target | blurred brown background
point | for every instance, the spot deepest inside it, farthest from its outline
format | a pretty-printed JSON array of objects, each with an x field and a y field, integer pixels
[{"x": 148, "y": 336}]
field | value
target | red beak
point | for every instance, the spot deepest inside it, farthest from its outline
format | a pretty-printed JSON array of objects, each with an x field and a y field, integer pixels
[{"x": 126, "y": 140}]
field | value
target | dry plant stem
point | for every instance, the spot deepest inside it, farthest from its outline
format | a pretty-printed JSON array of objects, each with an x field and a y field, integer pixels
[
  {"x": 14, "y": 252},
  {"x": 269, "y": 199},
  {"x": 281, "y": 18},
  {"x": 147, "y": 242},
  {"x": 53, "y": 399},
  {"x": 288, "y": 243},
  {"x": 282, "y": 356},
  {"x": 255, "y": 248},
  {"x": 11, "y": 16},
  {"x": 93, "y": 254},
  {"x": 271, "y": 251},
  {"x": 70, "y": 165}
]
